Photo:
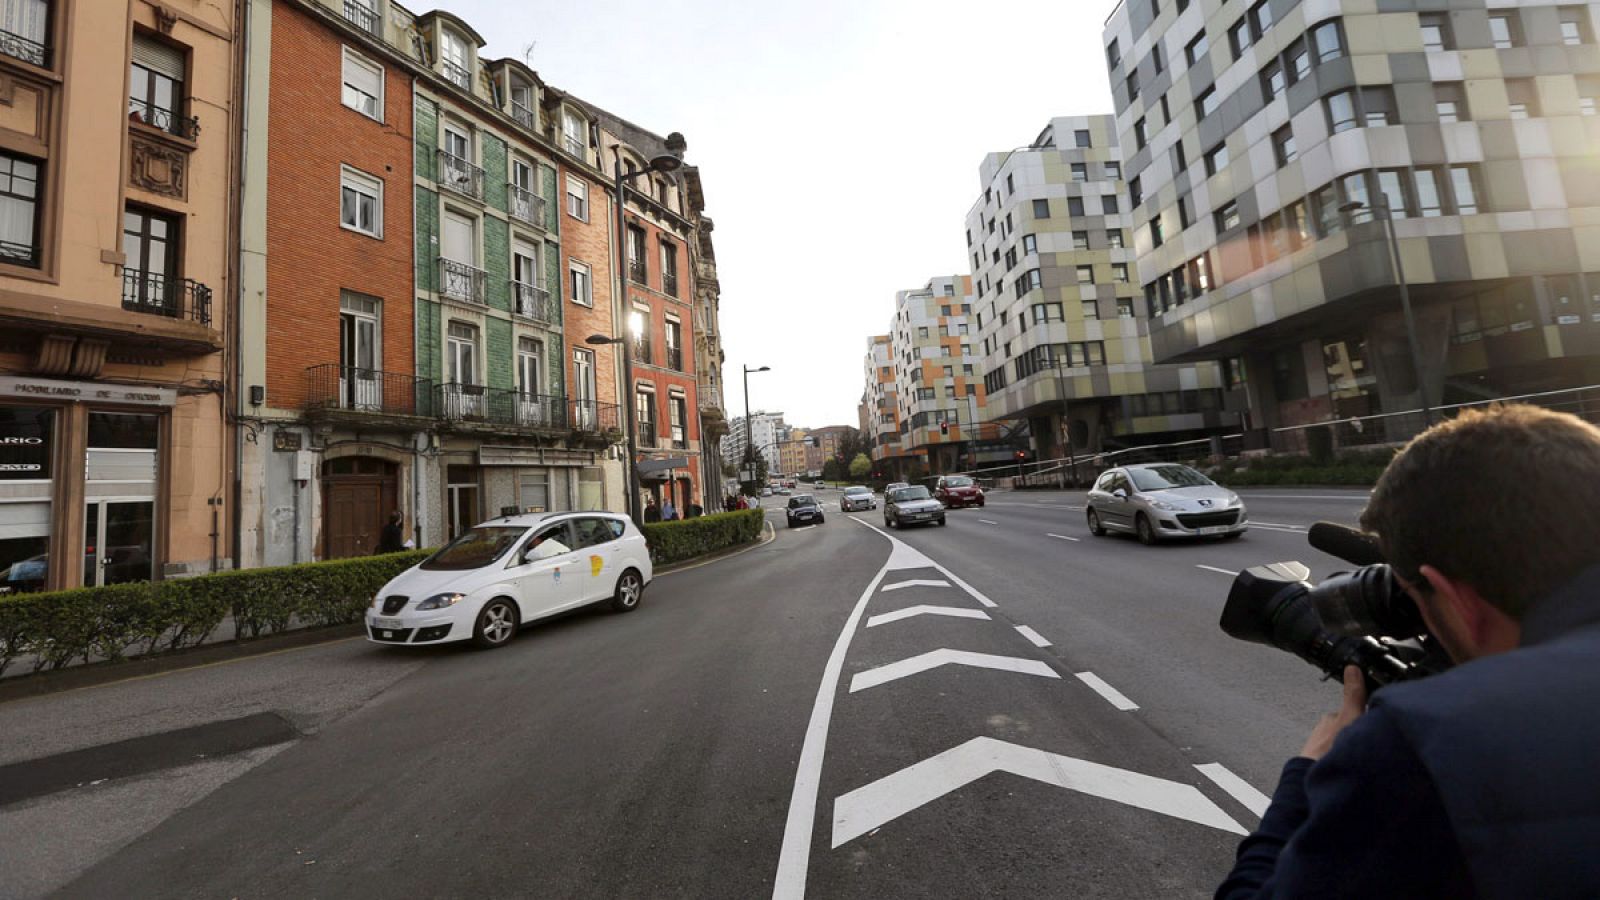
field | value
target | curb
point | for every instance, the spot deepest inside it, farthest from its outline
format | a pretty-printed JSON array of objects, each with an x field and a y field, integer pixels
[
  {"x": 37, "y": 684},
  {"x": 770, "y": 534}
]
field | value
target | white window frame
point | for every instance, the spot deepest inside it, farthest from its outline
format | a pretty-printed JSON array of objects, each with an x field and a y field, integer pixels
[
  {"x": 577, "y": 198},
  {"x": 569, "y": 116},
  {"x": 361, "y": 183},
  {"x": 352, "y": 58},
  {"x": 584, "y": 297},
  {"x": 454, "y": 344}
]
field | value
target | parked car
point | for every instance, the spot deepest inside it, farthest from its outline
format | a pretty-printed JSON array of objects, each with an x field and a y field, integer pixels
[
  {"x": 784, "y": 492},
  {"x": 857, "y": 497},
  {"x": 804, "y": 510},
  {"x": 958, "y": 491},
  {"x": 1160, "y": 500},
  {"x": 510, "y": 571},
  {"x": 766, "y": 492},
  {"x": 911, "y": 506}
]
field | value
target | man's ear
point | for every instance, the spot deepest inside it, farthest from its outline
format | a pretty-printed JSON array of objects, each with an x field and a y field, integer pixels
[{"x": 1472, "y": 616}]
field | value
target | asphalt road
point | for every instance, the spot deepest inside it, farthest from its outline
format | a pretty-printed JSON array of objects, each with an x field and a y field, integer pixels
[{"x": 1005, "y": 706}]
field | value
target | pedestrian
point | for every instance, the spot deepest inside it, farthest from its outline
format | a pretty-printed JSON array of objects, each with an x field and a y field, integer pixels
[
  {"x": 652, "y": 512},
  {"x": 669, "y": 513},
  {"x": 695, "y": 511},
  {"x": 392, "y": 538}
]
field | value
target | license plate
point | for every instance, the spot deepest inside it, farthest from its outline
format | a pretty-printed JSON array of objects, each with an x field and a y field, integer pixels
[
  {"x": 1214, "y": 529},
  {"x": 380, "y": 622}
]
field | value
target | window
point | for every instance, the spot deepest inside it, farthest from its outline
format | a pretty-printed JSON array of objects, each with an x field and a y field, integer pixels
[
  {"x": 1157, "y": 59},
  {"x": 1261, "y": 18},
  {"x": 674, "y": 341},
  {"x": 1283, "y": 148},
  {"x": 1080, "y": 240},
  {"x": 582, "y": 282},
  {"x": 1216, "y": 159},
  {"x": 1113, "y": 55},
  {"x": 1392, "y": 192},
  {"x": 1086, "y": 274},
  {"x": 1081, "y": 137},
  {"x": 669, "y": 268},
  {"x": 1227, "y": 218},
  {"x": 19, "y": 210},
  {"x": 637, "y": 272},
  {"x": 363, "y": 85},
  {"x": 1119, "y": 272},
  {"x": 1155, "y": 231},
  {"x": 150, "y": 250},
  {"x": 1428, "y": 203},
  {"x": 1041, "y": 209},
  {"x": 1030, "y": 244},
  {"x": 1135, "y": 191},
  {"x": 1377, "y": 107},
  {"x": 1341, "y": 111},
  {"x": 639, "y": 325},
  {"x": 644, "y": 411},
  {"x": 1328, "y": 41},
  {"x": 1353, "y": 189},
  {"x": 455, "y": 59},
  {"x": 1091, "y": 309},
  {"x": 1463, "y": 186},
  {"x": 1196, "y": 48},
  {"x": 1185, "y": 218},
  {"x": 677, "y": 415},
  {"x": 155, "y": 85},
  {"x": 26, "y": 25},
  {"x": 574, "y": 133},
  {"x": 1575, "y": 26},
  {"x": 1436, "y": 33},
  {"x": 1029, "y": 281},
  {"x": 577, "y": 199},
  {"x": 1450, "y": 102},
  {"x": 1180, "y": 160},
  {"x": 1272, "y": 80},
  {"x": 1075, "y": 206},
  {"x": 1523, "y": 95},
  {"x": 360, "y": 202},
  {"x": 1133, "y": 85},
  {"x": 1080, "y": 172},
  {"x": 1297, "y": 224},
  {"x": 461, "y": 354},
  {"x": 1239, "y": 37},
  {"x": 1297, "y": 61},
  {"x": 1326, "y": 203},
  {"x": 1114, "y": 238},
  {"x": 1207, "y": 104},
  {"x": 1139, "y": 138},
  {"x": 1504, "y": 32},
  {"x": 530, "y": 369},
  {"x": 1166, "y": 113},
  {"x": 1113, "y": 171}
]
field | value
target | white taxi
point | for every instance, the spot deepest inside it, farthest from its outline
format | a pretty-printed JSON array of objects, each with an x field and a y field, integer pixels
[{"x": 510, "y": 571}]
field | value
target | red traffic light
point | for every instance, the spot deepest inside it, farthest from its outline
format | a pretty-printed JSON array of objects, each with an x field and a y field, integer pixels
[
  {"x": 944, "y": 427},
  {"x": 1022, "y": 454}
]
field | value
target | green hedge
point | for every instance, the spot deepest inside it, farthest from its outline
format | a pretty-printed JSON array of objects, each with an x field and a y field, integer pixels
[
  {"x": 119, "y": 620},
  {"x": 1359, "y": 468},
  {"x": 682, "y": 539}
]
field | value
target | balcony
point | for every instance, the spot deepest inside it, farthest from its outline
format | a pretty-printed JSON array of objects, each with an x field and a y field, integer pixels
[
  {"x": 186, "y": 127},
  {"x": 710, "y": 396},
  {"x": 533, "y": 302},
  {"x": 369, "y": 392},
  {"x": 164, "y": 295},
  {"x": 680, "y": 440},
  {"x": 574, "y": 145},
  {"x": 363, "y": 16},
  {"x": 647, "y": 437},
  {"x": 460, "y": 176},
  {"x": 26, "y": 49},
  {"x": 589, "y": 417},
  {"x": 476, "y": 404},
  {"x": 637, "y": 272},
  {"x": 525, "y": 117},
  {"x": 459, "y": 281},
  {"x": 457, "y": 74},
  {"x": 525, "y": 205},
  {"x": 675, "y": 359},
  {"x": 669, "y": 284},
  {"x": 642, "y": 352}
]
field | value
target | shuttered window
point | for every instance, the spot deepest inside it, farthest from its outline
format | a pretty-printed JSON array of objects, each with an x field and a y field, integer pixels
[{"x": 363, "y": 85}]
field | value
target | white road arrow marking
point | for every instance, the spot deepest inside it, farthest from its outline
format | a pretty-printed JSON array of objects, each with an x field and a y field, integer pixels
[
  {"x": 888, "y": 798},
  {"x": 1241, "y": 790},
  {"x": 915, "y": 582},
  {"x": 925, "y": 610},
  {"x": 933, "y": 659},
  {"x": 1112, "y": 695}
]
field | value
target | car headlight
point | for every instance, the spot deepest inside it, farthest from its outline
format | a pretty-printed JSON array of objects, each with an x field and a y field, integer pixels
[
  {"x": 1233, "y": 500},
  {"x": 440, "y": 601},
  {"x": 1162, "y": 504}
]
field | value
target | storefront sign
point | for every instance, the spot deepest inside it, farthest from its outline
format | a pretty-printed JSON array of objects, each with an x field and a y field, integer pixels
[
  {"x": 85, "y": 391},
  {"x": 534, "y": 456},
  {"x": 25, "y": 442},
  {"x": 647, "y": 466}
]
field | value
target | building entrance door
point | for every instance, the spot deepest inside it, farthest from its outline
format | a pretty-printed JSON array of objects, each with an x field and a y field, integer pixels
[
  {"x": 119, "y": 541},
  {"x": 358, "y": 495}
]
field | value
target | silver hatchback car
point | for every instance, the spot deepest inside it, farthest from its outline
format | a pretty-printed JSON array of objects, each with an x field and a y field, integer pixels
[{"x": 1160, "y": 500}]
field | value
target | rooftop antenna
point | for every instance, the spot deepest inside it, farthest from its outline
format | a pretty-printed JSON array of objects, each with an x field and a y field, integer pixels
[{"x": 527, "y": 53}]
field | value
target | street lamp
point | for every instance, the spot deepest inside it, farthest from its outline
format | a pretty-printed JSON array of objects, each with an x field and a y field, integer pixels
[
  {"x": 749, "y": 441},
  {"x": 1405, "y": 297},
  {"x": 666, "y": 163},
  {"x": 1058, "y": 362}
]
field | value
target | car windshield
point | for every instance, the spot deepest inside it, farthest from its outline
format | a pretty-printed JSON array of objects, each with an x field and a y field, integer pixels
[
  {"x": 911, "y": 493},
  {"x": 1160, "y": 478},
  {"x": 476, "y": 548},
  {"x": 856, "y": 490},
  {"x": 801, "y": 500},
  {"x": 958, "y": 481}
]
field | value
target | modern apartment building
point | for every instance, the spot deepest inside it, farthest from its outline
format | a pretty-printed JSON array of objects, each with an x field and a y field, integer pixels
[
  {"x": 115, "y": 242},
  {"x": 1263, "y": 142},
  {"x": 938, "y": 385},
  {"x": 880, "y": 401},
  {"x": 792, "y": 453},
  {"x": 764, "y": 432},
  {"x": 1061, "y": 331}
]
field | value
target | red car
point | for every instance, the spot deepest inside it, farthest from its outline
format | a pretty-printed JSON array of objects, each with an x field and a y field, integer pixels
[{"x": 958, "y": 490}]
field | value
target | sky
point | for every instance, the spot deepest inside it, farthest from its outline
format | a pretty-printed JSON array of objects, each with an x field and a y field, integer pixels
[{"x": 838, "y": 141}]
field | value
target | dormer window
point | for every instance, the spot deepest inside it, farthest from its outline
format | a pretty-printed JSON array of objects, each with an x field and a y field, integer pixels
[
  {"x": 523, "y": 104},
  {"x": 454, "y": 58},
  {"x": 574, "y": 134}
]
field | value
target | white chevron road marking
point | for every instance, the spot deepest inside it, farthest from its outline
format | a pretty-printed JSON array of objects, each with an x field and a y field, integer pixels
[
  {"x": 933, "y": 659},
  {"x": 926, "y": 610}
]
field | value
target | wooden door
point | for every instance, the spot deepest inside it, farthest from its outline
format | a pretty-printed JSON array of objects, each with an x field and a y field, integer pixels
[{"x": 358, "y": 496}]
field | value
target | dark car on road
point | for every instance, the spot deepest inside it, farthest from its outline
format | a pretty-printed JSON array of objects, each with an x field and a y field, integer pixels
[
  {"x": 911, "y": 506},
  {"x": 804, "y": 510},
  {"x": 956, "y": 491}
]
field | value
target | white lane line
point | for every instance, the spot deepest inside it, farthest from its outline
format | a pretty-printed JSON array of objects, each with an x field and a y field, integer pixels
[
  {"x": 1112, "y": 695},
  {"x": 1033, "y": 636},
  {"x": 1237, "y": 788},
  {"x": 933, "y": 659},
  {"x": 1279, "y": 524},
  {"x": 1217, "y": 570},
  {"x": 1061, "y": 537},
  {"x": 925, "y": 610},
  {"x": 1273, "y": 528},
  {"x": 915, "y": 582},
  {"x": 988, "y": 522},
  {"x": 795, "y": 857}
]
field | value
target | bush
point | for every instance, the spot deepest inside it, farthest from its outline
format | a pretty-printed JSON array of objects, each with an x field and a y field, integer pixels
[
  {"x": 682, "y": 539},
  {"x": 1360, "y": 468},
  {"x": 108, "y": 622}
]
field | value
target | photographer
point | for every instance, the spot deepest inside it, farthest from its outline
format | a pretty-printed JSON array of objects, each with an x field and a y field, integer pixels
[{"x": 1479, "y": 781}]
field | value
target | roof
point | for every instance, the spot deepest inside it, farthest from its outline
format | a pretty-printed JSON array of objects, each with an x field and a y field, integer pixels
[{"x": 528, "y": 520}]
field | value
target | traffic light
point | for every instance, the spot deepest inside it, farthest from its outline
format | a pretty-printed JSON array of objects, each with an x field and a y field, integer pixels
[
  {"x": 1022, "y": 455},
  {"x": 944, "y": 426}
]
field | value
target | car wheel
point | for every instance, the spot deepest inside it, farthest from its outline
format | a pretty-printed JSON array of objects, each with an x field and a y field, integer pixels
[
  {"x": 1147, "y": 532},
  {"x": 497, "y": 623},
  {"x": 821, "y": 519},
  {"x": 941, "y": 522},
  {"x": 1095, "y": 528},
  {"x": 888, "y": 522},
  {"x": 630, "y": 587}
]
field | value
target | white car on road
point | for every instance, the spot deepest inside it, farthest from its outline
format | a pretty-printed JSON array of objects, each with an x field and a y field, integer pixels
[
  {"x": 1161, "y": 500},
  {"x": 510, "y": 571}
]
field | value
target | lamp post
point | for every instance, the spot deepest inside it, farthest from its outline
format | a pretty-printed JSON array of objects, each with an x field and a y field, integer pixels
[
  {"x": 749, "y": 439},
  {"x": 1405, "y": 297},
  {"x": 667, "y": 163},
  {"x": 1058, "y": 362}
]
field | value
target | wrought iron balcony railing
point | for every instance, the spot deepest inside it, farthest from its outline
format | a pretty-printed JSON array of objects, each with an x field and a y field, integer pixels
[
  {"x": 362, "y": 16},
  {"x": 647, "y": 436},
  {"x": 165, "y": 295},
  {"x": 675, "y": 358},
  {"x": 525, "y": 205},
  {"x": 357, "y": 389},
  {"x": 26, "y": 49},
  {"x": 575, "y": 146},
  {"x": 525, "y": 117},
  {"x": 165, "y": 119},
  {"x": 637, "y": 272},
  {"x": 460, "y": 175},
  {"x": 457, "y": 74},
  {"x": 642, "y": 351},
  {"x": 590, "y": 417},
  {"x": 499, "y": 406},
  {"x": 669, "y": 284},
  {"x": 533, "y": 302},
  {"x": 459, "y": 281}
]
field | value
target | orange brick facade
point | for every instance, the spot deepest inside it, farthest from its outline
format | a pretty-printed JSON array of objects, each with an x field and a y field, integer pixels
[
  {"x": 589, "y": 243},
  {"x": 311, "y": 257}
]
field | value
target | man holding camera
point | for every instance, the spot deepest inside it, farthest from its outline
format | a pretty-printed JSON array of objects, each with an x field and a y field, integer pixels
[{"x": 1480, "y": 781}]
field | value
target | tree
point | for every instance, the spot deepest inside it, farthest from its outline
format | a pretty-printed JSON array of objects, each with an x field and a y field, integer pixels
[
  {"x": 860, "y": 466},
  {"x": 832, "y": 471},
  {"x": 850, "y": 446},
  {"x": 729, "y": 470}
]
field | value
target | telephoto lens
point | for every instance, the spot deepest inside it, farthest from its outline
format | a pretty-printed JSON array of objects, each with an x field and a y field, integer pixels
[{"x": 1367, "y": 601}]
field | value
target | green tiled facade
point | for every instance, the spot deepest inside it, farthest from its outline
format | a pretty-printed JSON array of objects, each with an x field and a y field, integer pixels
[{"x": 497, "y": 262}]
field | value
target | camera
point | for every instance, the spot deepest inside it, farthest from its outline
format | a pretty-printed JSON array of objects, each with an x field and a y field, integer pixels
[{"x": 1361, "y": 618}]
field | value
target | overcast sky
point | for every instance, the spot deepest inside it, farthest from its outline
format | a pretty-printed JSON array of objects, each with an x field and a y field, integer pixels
[{"x": 839, "y": 142}]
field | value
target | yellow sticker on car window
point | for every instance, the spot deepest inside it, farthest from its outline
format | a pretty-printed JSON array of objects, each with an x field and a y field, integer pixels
[{"x": 595, "y": 564}]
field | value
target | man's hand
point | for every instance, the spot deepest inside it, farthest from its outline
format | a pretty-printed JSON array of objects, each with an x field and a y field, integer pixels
[{"x": 1355, "y": 703}]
